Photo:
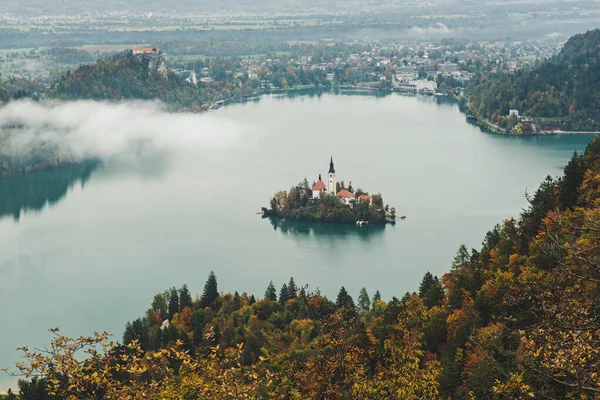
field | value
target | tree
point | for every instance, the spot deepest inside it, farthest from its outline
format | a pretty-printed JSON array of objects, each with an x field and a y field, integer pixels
[
  {"x": 284, "y": 294},
  {"x": 376, "y": 298},
  {"x": 364, "y": 302},
  {"x": 173, "y": 302},
  {"x": 461, "y": 258},
  {"x": 430, "y": 290},
  {"x": 211, "y": 292},
  {"x": 292, "y": 288},
  {"x": 344, "y": 300},
  {"x": 159, "y": 305},
  {"x": 185, "y": 298},
  {"x": 237, "y": 303},
  {"x": 252, "y": 300},
  {"x": 271, "y": 292}
]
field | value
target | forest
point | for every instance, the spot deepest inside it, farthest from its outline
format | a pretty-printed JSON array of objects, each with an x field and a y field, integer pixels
[
  {"x": 514, "y": 319},
  {"x": 564, "y": 91}
]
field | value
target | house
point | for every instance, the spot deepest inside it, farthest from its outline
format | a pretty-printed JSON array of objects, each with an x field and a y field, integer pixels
[
  {"x": 345, "y": 196},
  {"x": 318, "y": 188}
]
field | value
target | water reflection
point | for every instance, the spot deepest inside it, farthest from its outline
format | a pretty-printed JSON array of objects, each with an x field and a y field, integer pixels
[
  {"x": 331, "y": 230},
  {"x": 33, "y": 191}
]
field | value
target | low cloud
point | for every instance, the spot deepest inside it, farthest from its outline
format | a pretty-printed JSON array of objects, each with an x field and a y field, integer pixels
[
  {"x": 435, "y": 30},
  {"x": 107, "y": 130}
]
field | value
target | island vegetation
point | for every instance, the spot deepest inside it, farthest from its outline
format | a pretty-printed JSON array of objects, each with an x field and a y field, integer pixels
[
  {"x": 515, "y": 319},
  {"x": 299, "y": 204},
  {"x": 563, "y": 92}
]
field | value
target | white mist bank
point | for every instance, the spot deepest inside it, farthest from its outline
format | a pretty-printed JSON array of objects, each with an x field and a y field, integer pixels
[{"x": 107, "y": 130}]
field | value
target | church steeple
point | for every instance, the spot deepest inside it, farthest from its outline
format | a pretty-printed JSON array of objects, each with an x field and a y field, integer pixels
[{"x": 331, "y": 189}]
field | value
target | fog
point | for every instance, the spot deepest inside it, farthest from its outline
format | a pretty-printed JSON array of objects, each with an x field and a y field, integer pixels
[{"x": 89, "y": 129}]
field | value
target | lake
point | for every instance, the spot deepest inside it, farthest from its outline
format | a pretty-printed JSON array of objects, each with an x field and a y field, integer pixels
[{"x": 86, "y": 247}]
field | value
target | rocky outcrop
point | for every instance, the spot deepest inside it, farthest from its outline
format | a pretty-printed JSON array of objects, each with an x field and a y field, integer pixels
[{"x": 154, "y": 62}]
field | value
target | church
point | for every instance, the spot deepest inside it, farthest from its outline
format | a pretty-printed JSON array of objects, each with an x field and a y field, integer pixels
[
  {"x": 330, "y": 188},
  {"x": 320, "y": 187}
]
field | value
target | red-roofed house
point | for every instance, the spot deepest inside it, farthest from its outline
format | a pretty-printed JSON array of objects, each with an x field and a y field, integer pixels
[
  {"x": 364, "y": 197},
  {"x": 345, "y": 196},
  {"x": 318, "y": 188},
  {"x": 141, "y": 50}
]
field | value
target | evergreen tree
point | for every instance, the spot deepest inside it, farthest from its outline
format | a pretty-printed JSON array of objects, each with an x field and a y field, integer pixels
[
  {"x": 364, "y": 302},
  {"x": 571, "y": 181},
  {"x": 344, "y": 299},
  {"x": 284, "y": 294},
  {"x": 543, "y": 201},
  {"x": 431, "y": 290},
  {"x": 173, "y": 302},
  {"x": 425, "y": 284},
  {"x": 197, "y": 323},
  {"x": 461, "y": 258},
  {"x": 271, "y": 292},
  {"x": 159, "y": 305},
  {"x": 237, "y": 303},
  {"x": 185, "y": 298},
  {"x": 376, "y": 297},
  {"x": 252, "y": 300},
  {"x": 292, "y": 288},
  {"x": 211, "y": 292}
]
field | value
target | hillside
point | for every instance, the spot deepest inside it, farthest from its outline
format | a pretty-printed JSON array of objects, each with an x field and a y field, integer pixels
[
  {"x": 516, "y": 319},
  {"x": 130, "y": 76},
  {"x": 564, "y": 91}
]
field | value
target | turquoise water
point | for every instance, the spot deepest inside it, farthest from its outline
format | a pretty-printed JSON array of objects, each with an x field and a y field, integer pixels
[{"x": 85, "y": 248}]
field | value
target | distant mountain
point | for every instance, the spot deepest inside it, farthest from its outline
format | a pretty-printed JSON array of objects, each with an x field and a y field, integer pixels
[
  {"x": 564, "y": 91},
  {"x": 127, "y": 76}
]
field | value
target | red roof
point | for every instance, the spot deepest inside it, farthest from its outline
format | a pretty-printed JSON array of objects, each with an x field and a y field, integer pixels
[
  {"x": 344, "y": 193},
  {"x": 365, "y": 197},
  {"x": 319, "y": 185}
]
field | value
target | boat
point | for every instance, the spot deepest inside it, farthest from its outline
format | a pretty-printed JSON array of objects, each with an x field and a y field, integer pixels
[{"x": 403, "y": 217}]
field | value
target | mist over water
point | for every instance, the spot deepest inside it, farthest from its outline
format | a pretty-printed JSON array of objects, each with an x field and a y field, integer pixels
[{"x": 92, "y": 129}]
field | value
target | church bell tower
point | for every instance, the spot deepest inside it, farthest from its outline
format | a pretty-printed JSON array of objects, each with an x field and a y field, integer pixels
[{"x": 331, "y": 183}]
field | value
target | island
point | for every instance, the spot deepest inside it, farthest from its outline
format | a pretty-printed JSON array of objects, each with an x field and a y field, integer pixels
[{"x": 331, "y": 202}]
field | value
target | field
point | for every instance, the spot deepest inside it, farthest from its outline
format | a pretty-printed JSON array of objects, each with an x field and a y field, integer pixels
[{"x": 110, "y": 48}]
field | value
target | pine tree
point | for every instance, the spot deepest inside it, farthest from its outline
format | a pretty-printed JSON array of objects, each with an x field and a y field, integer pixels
[
  {"x": 364, "y": 302},
  {"x": 292, "y": 288},
  {"x": 344, "y": 299},
  {"x": 284, "y": 294},
  {"x": 430, "y": 290},
  {"x": 571, "y": 181},
  {"x": 211, "y": 292},
  {"x": 237, "y": 303},
  {"x": 461, "y": 258},
  {"x": 425, "y": 284},
  {"x": 173, "y": 302},
  {"x": 185, "y": 298},
  {"x": 271, "y": 292},
  {"x": 376, "y": 298},
  {"x": 252, "y": 300}
]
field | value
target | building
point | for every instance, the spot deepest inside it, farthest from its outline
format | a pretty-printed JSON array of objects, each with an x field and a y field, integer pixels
[
  {"x": 447, "y": 67},
  {"x": 331, "y": 186},
  {"x": 318, "y": 188},
  {"x": 143, "y": 50},
  {"x": 512, "y": 112},
  {"x": 345, "y": 196},
  {"x": 192, "y": 78}
]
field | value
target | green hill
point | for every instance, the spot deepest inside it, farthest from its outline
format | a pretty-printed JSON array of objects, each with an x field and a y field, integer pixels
[
  {"x": 564, "y": 91},
  {"x": 129, "y": 76}
]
